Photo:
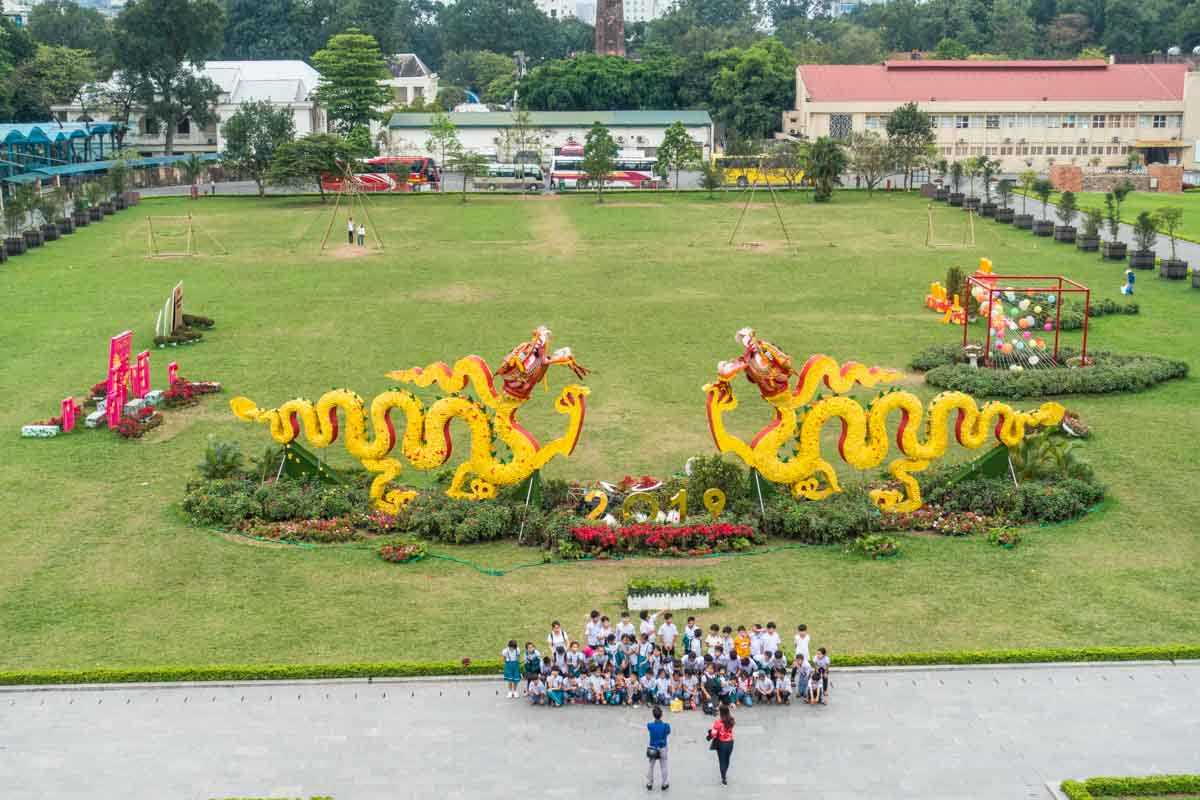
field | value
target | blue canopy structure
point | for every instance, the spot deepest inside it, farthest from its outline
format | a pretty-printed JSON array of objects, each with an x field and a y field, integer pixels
[{"x": 27, "y": 146}]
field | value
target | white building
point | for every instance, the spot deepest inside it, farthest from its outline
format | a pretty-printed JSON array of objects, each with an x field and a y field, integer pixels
[
  {"x": 646, "y": 10},
  {"x": 411, "y": 80},
  {"x": 284, "y": 84},
  {"x": 490, "y": 133},
  {"x": 838, "y": 8},
  {"x": 17, "y": 12},
  {"x": 557, "y": 9}
]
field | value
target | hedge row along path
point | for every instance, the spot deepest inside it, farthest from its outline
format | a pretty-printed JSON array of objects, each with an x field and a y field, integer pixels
[{"x": 994, "y": 734}]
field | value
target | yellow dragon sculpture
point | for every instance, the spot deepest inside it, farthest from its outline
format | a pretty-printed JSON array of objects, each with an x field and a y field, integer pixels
[
  {"x": 864, "y": 437},
  {"x": 426, "y": 441}
]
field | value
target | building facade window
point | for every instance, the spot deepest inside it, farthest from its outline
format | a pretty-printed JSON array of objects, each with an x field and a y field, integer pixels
[
  {"x": 1010, "y": 120},
  {"x": 1160, "y": 120},
  {"x": 977, "y": 120},
  {"x": 1068, "y": 121},
  {"x": 1175, "y": 121},
  {"x": 184, "y": 128},
  {"x": 1099, "y": 121},
  {"x": 947, "y": 120},
  {"x": 1051, "y": 149},
  {"x": 1114, "y": 121},
  {"x": 992, "y": 122},
  {"x": 1144, "y": 121},
  {"x": 1036, "y": 150},
  {"x": 872, "y": 122},
  {"x": 962, "y": 122},
  {"x": 1052, "y": 121},
  {"x": 840, "y": 126}
]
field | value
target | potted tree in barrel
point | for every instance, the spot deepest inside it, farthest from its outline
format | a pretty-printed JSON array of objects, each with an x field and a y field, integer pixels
[
  {"x": 942, "y": 193},
  {"x": 1024, "y": 220},
  {"x": 1174, "y": 268},
  {"x": 1067, "y": 211},
  {"x": 972, "y": 168},
  {"x": 118, "y": 183},
  {"x": 1089, "y": 240},
  {"x": 1004, "y": 214},
  {"x": 79, "y": 208},
  {"x": 956, "y": 175},
  {"x": 94, "y": 192},
  {"x": 1114, "y": 249},
  {"x": 14, "y": 223},
  {"x": 1145, "y": 233},
  {"x": 1042, "y": 188},
  {"x": 27, "y": 199},
  {"x": 54, "y": 203},
  {"x": 987, "y": 169},
  {"x": 104, "y": 184}
]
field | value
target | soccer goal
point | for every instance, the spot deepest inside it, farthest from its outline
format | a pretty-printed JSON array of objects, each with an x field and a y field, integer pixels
[
  {"x": 169, "y": 237},
  {"x": 968, "y": 232}
]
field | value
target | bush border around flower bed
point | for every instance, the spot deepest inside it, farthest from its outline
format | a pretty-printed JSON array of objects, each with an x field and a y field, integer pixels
[
  {"x": 1148, "y": 785},
  {"x": 401, "y": 669}
]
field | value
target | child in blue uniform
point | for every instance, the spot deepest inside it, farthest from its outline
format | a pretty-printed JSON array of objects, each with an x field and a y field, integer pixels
[{"x": 512, "y": 667}]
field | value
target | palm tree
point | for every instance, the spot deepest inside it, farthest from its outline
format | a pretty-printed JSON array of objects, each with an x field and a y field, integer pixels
[
  {"x": 825, "y": 163},
  {"x": 192, "y": 168}
]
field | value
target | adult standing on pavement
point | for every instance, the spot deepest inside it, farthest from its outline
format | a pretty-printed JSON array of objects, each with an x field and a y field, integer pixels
[
  {"x": 656, "y": 752},
  {"x": 721, "y": 737}
]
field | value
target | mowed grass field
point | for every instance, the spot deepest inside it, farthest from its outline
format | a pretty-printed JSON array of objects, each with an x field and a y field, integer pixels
[{"x": 101, "y": 568}]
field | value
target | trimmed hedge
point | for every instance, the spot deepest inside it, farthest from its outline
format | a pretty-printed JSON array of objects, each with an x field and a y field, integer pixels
[
  {"x": 1110, "y": 372},
  {"x": 638, "y": 587},
  {"x": 1130, "y": 787},
  {"x": 401, "y": 669}
]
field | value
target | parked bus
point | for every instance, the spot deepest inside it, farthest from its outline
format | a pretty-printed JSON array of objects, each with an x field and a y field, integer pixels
[
  {"x": 631, "y": 170},
  {"x": 512, "y": 177},
  {"x": 390, "y": 174},
  {"x": 746, "y": 171}
]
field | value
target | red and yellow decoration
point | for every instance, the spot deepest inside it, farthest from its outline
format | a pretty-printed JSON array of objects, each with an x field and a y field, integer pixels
[{"x": 864, "y": 438}]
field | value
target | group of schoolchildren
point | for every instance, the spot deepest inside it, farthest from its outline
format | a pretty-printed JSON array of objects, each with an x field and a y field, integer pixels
[{"x": 657, "y": 664}]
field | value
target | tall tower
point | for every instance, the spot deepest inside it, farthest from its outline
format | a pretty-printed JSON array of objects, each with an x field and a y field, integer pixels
[{"x": 610, "y": 27}]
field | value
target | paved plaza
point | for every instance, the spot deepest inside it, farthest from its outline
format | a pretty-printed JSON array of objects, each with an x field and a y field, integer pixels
[{"x": 980, "y": 733}]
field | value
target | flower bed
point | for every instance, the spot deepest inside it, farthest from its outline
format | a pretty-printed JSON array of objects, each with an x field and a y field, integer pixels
[
  {"x": 938, "y": 520},
  {"x": 677, "y": 540},
  {"x": 402, "y": 552},
  {"x": 338, "y": 529},
  {"x": 186, "y": 393}
]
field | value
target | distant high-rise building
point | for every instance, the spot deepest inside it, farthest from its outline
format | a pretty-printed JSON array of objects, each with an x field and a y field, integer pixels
[{"x": 610, "y": 28}]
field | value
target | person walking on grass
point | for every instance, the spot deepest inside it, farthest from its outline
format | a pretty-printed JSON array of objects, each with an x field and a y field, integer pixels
[
  {"x": 656, "y": 753},
  {"x": 720, "y": 737},
  {"x": 362, "y": 235},
  {"x": 350, "y": 231}
]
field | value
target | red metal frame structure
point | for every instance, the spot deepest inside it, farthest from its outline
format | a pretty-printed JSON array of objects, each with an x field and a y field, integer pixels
[{"x": 1046, "y": 284}]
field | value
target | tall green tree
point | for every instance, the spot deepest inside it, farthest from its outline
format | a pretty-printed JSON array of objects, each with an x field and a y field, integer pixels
[
  {"x": 826, "y": 163},
  {"x": 677, "y": 152},
  {"x": 55, "y": 75},
  {"x": 469, "y": 163},
  {"x": 302, "y": 162},
  {"x": 501, "y": 26},
  {"x": 872, "y": 158},
  {"x": 1012, "y": 29},
  {"x": 599, "y": 158},
  {"x": 910, "y": 133},
  {"x": 747, "y": 96},
  {"x": 252, "y": 135},
  {"x": 475, "y": 69},
  {"x": 443, "y": 138},
  {"x": 262, "y": 29},
  {"x": 64, "y": 23},
  {"x": 351, "y": 68},
  {"x": 161, "y": 43}
]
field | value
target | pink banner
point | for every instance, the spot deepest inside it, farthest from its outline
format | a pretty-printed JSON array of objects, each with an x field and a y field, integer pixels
[
  {"x": 114, "y": 402},
  {"x": 120, "y": 347},
  {"x": 69, "y": 411},
  {"x": 141, "y": 374},
  {"x": 172, "y": 373}
]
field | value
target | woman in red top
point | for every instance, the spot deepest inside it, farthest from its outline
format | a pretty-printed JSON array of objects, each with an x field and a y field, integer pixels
[{"x": 721, "y": 735}]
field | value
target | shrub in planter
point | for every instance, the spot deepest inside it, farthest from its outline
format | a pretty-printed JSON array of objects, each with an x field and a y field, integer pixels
[
  {"x": 95, "y": 214},
  {"x": 80, "y": 218},
  {"x": 33, "y": 238},
  {"x": 1089, "y": 239},
  {"x": 1174, "y": 268},
  {"x": 1196, "y": 279},
  {"x": 876, "y": 546},
  {"x": 1004, "y": 214},
  {"x": 3, "y": 253},
  {"x": 1114, "y": 249},
  {"x": 1067, "y": 211},
  {"x": 49, "y": 232},
  {"x": 941, "y": 194},
  {"x": 15, "y": 245},
  {"x": 956, "y": 175},
  {"x": 987, "y": 169},
  {"x": 1008, "y": 538},
  {"x": 402, "y": 551},
  {"x": 1024, "y": 220},
  {"x": 1145, "y": 234},
  {"x": 1042, "y": 188},
  {"x": 972, "y": 167},
  {"x": 65, "y": 226}
]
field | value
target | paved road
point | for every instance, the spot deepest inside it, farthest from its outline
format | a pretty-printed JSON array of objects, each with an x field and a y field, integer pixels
[{"x": 975, "y": 733}]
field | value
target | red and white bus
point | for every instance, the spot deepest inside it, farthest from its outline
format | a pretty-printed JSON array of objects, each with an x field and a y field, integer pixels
[
  {"x": 390, "y": 174},
  {"x": 631, "y": 170}
]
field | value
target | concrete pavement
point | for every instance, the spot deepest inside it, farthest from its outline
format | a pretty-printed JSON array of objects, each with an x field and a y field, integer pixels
[{"x": 983, "y": 733}]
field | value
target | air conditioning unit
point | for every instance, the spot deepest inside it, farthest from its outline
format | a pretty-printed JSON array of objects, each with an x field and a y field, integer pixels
[
  {"x": 1083, "y": 141},
  {"x": 1116, "y": 140}
]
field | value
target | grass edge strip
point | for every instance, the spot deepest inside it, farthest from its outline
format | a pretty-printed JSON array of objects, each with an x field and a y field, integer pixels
[{"x": 414, "y": 669}]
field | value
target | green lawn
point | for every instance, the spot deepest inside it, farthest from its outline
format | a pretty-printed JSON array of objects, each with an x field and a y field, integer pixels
[
  {"x": 102, "y": 569},
  {"x": 1137, "y": 202}
]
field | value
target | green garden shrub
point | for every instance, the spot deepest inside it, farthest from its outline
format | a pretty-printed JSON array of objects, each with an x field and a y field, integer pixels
[
  {"x": 1111, "y": 372},
  {"x": 830, "y": 521},
  {"x": 715, "y": 472}
]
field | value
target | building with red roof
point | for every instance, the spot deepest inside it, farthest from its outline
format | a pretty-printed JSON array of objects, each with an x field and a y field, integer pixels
[{"x": 1023, "y": 113}]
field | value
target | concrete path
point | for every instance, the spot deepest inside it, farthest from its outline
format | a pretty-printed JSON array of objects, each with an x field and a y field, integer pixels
[
  {"x": 982, "y": 733},
  {"x": 1188, "y": 251}
]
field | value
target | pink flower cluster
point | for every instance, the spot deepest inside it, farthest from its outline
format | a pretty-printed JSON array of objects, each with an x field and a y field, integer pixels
[
  {"x": 938, "y": 520},
  {"x": 647, "y": 536}
]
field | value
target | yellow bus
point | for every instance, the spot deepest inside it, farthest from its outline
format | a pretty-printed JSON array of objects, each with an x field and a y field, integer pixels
[{"x": 745, "y": 171}]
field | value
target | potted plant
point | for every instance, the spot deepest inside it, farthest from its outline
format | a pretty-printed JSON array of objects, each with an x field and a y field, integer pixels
[
  {"x": 117, "y": 183},
  {"x": 1067, "y": 211},
  {"x": 1024, "y": 220},
  {"x": 1089, "y": 240},
  {"x": 48, "y": 210},
  {"x": 1145, "y": 233},
  {"x": 942, "y": 193},
  {"x": 1004, "y": 214},
  {"x": 987, "y": 169},
  {"x": 972, "y": 168},
  {"x": 54, "y": 204},
  {"x": 1115, "y": 249},
  {"x": 27, "y": 200},
  {"x": 1042, "y": 188},
  {"x": 14, "y": 223},
  {"x": 1174, "y": 268},
  {"x": 79, "y": 208},
  {"x": 94, "y": 193},
  {"x": 956, "y": 175},
  {"x": 104, "y": 185}
]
